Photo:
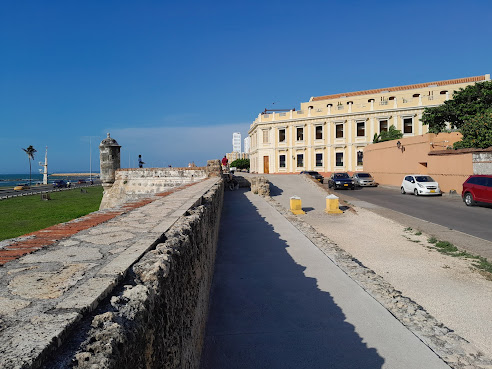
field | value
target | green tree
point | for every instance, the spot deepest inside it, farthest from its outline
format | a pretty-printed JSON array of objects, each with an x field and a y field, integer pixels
[
  {"x": 240, "y": 164},
  {"x": 476, "y": 131},
  {"x": 466, "y": 103},
  {"x": 30, "y": 155},
  {"x": 391, "y": 134}
]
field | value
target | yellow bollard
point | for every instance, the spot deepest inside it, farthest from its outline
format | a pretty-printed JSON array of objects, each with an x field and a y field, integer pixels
[
  {"x": 296, "y": 205},
  {"x": 332, "y": 205}
]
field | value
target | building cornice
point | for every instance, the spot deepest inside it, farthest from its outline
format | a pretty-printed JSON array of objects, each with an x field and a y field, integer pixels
[{"x": 339, "y": 116}]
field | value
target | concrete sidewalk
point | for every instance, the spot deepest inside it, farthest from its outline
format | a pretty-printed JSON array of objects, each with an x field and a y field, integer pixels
[{"x": 279, "y": 302}]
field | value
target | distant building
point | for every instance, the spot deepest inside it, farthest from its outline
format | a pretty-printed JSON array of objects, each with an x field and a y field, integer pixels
[
  {"x": 329, "y": 133},
  {"x": 236, "y": 142},
  {"x": 247, "y": 145},
  {"x": 236, "y": 155}
]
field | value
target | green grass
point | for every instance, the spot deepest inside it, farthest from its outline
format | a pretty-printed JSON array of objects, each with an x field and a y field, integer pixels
[
  {"x": 448, "y": 248},
  {"x": 21, "y": 215}
]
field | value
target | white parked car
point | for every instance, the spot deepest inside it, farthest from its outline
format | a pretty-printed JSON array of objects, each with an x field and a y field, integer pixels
[{"x": 420, "y": 184}]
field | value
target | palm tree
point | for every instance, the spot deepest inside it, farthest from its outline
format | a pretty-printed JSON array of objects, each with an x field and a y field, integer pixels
[{"x": 30, "y": 154}]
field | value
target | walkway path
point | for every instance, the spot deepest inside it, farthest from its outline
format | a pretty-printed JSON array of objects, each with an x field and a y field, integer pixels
[
  {"x": 279, "y": 302},
  {"x": 447, "y": 287}
]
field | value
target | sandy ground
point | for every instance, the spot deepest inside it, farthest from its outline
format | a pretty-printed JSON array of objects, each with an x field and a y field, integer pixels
[{"x": 447, "y": 287}]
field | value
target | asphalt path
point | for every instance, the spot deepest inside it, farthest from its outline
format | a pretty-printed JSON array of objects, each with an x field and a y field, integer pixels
[{"x": 448, "y": 210}]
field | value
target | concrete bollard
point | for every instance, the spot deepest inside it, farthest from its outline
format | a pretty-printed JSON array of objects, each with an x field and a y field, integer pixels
[
  {"x": 296, "y": 205},
  {"x": 332, "y": 205}
]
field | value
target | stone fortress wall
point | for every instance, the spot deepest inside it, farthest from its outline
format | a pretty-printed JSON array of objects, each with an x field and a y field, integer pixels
[
  {"x": 131, "y": 292},
  {"x": 124, "y": 287},
  {"x": 132, "y": 184},
  {"x": 157, "y": 320}
]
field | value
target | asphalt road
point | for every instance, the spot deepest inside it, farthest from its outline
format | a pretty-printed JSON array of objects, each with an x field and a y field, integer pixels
[
  {"x": 9, "y": 192},
  {"x": 447, "y": 210}
]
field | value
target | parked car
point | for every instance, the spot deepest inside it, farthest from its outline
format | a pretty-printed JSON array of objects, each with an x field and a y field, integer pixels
[
  {"x": 22, "y": 186},
  {"x": 477, "y": 188},
  {"x": 60, "y": 183},
  {"x": 340, "y": 180},
  {"x": 81, "y": 181},
  {"x": 363, "y": 180},
  {"x": 420, "y": 184},
  {"x": 313, "y": 174}
]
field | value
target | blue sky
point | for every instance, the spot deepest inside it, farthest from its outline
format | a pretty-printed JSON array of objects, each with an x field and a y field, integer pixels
[{"x": 173, "y": 80}]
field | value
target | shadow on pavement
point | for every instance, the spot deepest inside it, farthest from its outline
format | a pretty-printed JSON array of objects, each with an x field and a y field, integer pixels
[
  {"x": 274, "y": 190},
  {"x": 264, "y": 312}
]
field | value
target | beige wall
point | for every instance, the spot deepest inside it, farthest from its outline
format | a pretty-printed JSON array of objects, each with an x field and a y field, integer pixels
[
  {"x": 388, "y": 164},
  {"x": 369, "y": 107}
]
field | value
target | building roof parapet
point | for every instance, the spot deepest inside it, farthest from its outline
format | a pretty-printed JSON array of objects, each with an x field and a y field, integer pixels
[
  {"x": 459, "y": 151},
  {"x": 402, "y": 88}
]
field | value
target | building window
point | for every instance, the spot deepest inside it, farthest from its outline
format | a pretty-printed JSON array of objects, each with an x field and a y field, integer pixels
[
  {"x": 300, "y": 160},
  {"x": 360, "y": 158},
  {"x": 281, "y": 160},
  {"x": 361, "y": 129},
  {"x": 300, "y": 134},
  {"x": 383, "y": 125},
  {"x": 339, "y": 130},
  {"x": 265, "y": 136},
  {"x": 319, "y": 159},
  {"x": 339, "y": 159},
  {"x": 319, "y": 132},
  {"x": 281, "y": 135},
  {"x": 407, "y": 125}
]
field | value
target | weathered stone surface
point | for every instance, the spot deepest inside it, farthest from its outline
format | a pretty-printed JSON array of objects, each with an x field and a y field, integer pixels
[
  {"x": 482, "y": 162},
  {"x": 47, "y": 285},
  {"x": 260, "y": 186},
  {"x": 44, "y": 297},
  {"x": 165, "y": 307},
  {"x": 10, "y": 306},
  {"x": 133, "y": 184},
  {"x": 68, "y": 255}
]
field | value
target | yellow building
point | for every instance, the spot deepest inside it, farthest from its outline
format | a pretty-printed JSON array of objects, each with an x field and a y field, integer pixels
[
  {"x": 329, "y": 133},
  {"x": 231, "y": 156}
]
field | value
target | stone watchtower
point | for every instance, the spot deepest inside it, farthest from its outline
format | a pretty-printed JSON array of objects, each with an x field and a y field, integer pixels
[{"x": 110, "y": 161}]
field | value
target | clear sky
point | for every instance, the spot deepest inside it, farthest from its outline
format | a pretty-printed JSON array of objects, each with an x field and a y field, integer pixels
[{"x": 172, "y": 80}]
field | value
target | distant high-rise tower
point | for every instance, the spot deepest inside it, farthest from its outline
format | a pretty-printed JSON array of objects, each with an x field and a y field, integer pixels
[
  {"x": 236, "y": 142},
  {"x": 247, "y": 144}
]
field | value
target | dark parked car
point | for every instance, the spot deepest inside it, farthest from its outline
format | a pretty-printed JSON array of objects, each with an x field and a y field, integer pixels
[
  {"x": 340, "y": 180},
  {"x": 313, "y": 174},
  {"x": 363, "y": 180},
  {"x": 477, "y": 188},
  {"x": 81, "y": 181},
  {"x": 60, "y": 183}
]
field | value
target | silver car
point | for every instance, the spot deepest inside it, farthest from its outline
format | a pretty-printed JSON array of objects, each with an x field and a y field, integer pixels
[{"x": 364, "y": 180}]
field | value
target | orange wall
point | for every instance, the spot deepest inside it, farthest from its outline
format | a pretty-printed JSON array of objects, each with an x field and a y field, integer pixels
[{"x": 388, "y": 164}]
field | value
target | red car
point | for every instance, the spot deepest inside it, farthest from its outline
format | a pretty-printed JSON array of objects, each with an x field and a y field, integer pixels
[{"x": 477, "y": 188}]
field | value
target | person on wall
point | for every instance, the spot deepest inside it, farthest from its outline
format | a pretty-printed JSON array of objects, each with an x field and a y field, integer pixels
[{"x": 225, "y": 161}]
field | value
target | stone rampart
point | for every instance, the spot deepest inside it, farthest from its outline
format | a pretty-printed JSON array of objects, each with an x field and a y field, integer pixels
[
  {"x": 132, "y": 184},
  {"x": 482, "y": 162},
  {"x": 128, "y": 293}
]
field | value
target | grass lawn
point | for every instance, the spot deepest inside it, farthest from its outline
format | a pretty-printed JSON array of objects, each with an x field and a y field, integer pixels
[{"x": 21, "y": 215}]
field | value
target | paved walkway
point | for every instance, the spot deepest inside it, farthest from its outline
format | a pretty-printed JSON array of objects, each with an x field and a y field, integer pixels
[
  {"x": 278, "y": 302},
  {"x": 446, "y": 287}
]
